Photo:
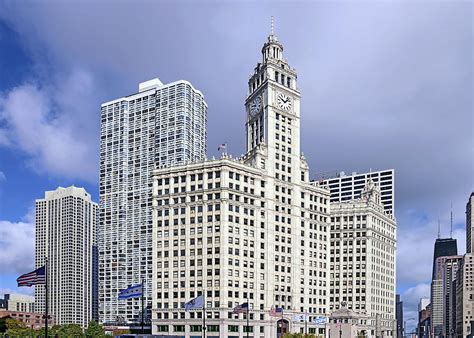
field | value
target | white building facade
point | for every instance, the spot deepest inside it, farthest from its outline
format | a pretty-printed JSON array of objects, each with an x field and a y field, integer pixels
[
  {"x": 164, "y": 125},
  {"x": 17, "y": 302},
  {"x": 66, "y": 221},
  {"x": 251, "y": 229},
  {"x": 363, "y": 259}
]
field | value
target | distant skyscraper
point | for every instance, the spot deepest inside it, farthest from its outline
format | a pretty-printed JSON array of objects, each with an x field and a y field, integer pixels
[
  {"x": 161, "y": 125},
  {"x": 424, "y": 316},
  {"x": 443, "y": 247},
  {"x": 399, "y": 316},
  {"x": 346, "y": 187},
  {"x": 470, "y": 224},
  {"x": 449, "y": 267},
  {"x": 362, "y": 259},
  {"x": 66, "y": 220}
]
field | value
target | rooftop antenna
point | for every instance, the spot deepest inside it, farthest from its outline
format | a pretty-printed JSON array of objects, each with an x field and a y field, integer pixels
[
  {"x": 451, "y": 233},
  {"x": 439, "y": 229}
]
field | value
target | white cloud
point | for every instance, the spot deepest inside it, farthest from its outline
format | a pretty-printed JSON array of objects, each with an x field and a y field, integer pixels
[
  {"x": 49, "y": 124},
  {"x": 3, "y": 138},
  {"x": 417, "y": 271},
  {"x": 3, "y": 177},
  {"x": 410, "y": 299},
  {"x": 419, "y": 243},
  {"x": 17, "y": 247},
  {"x": 412, "y": 295},
  {"x": 30, "y": 291}
]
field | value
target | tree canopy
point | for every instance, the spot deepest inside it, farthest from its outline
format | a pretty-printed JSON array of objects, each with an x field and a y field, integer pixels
[
  {"x": 298, "y": 335},
  {"x": 95, "y": 330}
]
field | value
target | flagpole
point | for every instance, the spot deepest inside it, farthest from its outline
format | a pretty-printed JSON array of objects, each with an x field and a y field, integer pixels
[
  {"x": 282, "y": 321},
  {"x": 143, "y": 292},
  {"x": 46, "y": 297},
  {"x": 203, "y": 315},
  {"x": 305, "y": 324},
  {"x": 248, "y": 313}
]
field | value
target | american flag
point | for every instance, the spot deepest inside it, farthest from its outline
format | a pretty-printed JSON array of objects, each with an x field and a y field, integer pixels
[
  {"x": 33, "y": 278},
  {"x": 242, "y": 308},
  {"x": 222, "y": 146},
  {"x": 276, "y": 311}
]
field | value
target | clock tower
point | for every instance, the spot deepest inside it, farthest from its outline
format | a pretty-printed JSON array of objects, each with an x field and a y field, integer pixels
[
  {"x": 267, "y": 223},
  {"x": 273, "y": 109}
]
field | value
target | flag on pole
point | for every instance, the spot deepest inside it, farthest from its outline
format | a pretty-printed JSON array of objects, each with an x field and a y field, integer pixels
[
  {"x": 132, "y": 291},
  {"x": 242, "y": 308},
  {"x": 320, "y": 320},
  {"x": 196, "y": 303},
  {"x": 222, "y": 146},
  {"x": 302, "y": 317},
  {"x": 33, "y": 278},
  {"x": 276, "y": 311}
]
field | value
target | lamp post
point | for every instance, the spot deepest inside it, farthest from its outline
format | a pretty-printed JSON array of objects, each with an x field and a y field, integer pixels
[{"x": 405, "y": 325}]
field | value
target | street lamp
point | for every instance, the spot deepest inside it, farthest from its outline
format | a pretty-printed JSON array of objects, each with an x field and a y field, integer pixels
[{"x": 405, "y": 325}]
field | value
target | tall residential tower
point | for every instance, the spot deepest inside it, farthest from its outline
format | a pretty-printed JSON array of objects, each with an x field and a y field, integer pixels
[
  {"x": 66, "y": 221},
  {"x": 161, "y": 125}
]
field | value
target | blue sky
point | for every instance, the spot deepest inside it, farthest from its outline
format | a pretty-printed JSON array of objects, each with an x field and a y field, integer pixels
[{"x": 384, "y": 85}]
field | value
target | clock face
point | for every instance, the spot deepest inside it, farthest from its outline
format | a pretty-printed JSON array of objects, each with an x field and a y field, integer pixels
[
  {"x": 284, "y": 101},
  {"x": 256, "y": 105}
]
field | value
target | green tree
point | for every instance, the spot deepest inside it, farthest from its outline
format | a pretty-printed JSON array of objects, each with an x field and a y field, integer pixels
[
  {"x": 16, "y": 328},
  {"x": 70, "y": 331},
  {"x": 52, "y": 331},
  {"x": 13, "y": 324},
  {"x": 298, "y": 335},
  {"x": 118, "y": 332},
  {"x": 95, "y": 330},
  {"x": 42, "y": 333},
  {"x": 3, "y": 325}
]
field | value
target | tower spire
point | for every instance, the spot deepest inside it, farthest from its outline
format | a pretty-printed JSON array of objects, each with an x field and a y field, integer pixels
[
  {"x": 439, "y": 229},
  {"x": 451, "y": 233},
  {"x": 272, "y": 37}
]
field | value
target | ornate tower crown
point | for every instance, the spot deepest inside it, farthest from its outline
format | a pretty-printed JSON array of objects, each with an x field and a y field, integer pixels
[
  {"x": 272, "y": 48},
  {"x": 371, "y": 192},
  {"x": 272, "y": 103}
]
